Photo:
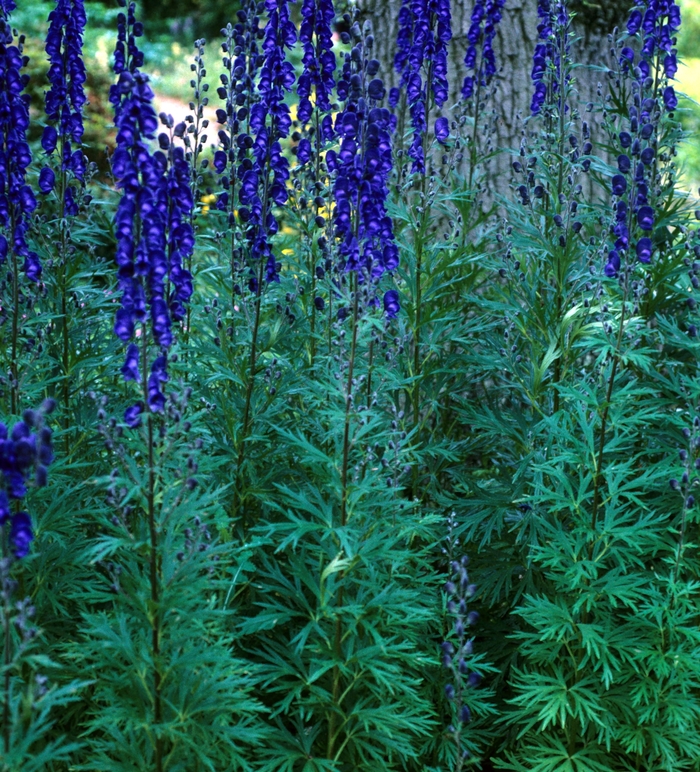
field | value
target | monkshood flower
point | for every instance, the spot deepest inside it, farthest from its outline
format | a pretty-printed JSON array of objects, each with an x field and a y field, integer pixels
[
  {"x": 480, "y": 59},
  {"x": 263, "y": 176},
  {"x": 65, "y": 99},
  {"x": 17, "y": 200},
  {"x": 6, "y": 7},
  {"x": 316, "y": 37},
  {"x": 550, "y": 52},
  {"x": 25, "y": 453},
  {"x": 654, "y": 25},
  {"x": 361, "y": 168},
  {"x": 391, "y": 304},
  {"x": 153, "y": 218},
  {"x": 425, "y": 29},
  {"x": 457, "y": 649},
  {"x": 242, "y": 60},
  {"x": 404, "y": 40},
  {"x": 657, "y": 22}
]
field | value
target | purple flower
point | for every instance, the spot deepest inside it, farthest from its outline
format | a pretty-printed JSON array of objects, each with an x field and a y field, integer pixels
[
  {"x": 262, "y": 170},
  {"x": 480, "y": 58},
  {"x": 624, "y": 164},
  {"x": 619, "y": 185},
  {"x": 550, "y": 53},
  {"x": 670, "y": 65},
  {"x": 132, "y": 415},
  {"x": 130, "y": 368},
  {"x": 442, "y": 130},
  {"x": 670, "y": 98},
  {"x": 65, "y": 99},
  {"x": 25, "y": 452},
  {"x": 455, "y": 652},
  {"x": 613, "y": 265},
  {"x": 425, "y": 29},
  {"x": 17, "y": 200},
  {"x": 49, "y": 139},
  {"x": 635, "y": 22},
  {"x": 153, "y": 220},
  {"x": 21, "y": 534},
  {"x": 47, "y": 179},
  {"x": 361, "y": 168},
  {"x": 645, "y": 248},
  {"x": 645, "y": 218},
  {"x": 391, "y": 304},
  {"x": 318, "y": 61}
]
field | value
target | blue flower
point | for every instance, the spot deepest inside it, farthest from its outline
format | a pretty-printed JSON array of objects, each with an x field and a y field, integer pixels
[
  {"x": 47, "y": 179},
  {"x": 442, "y": 130},
  {"x": 645, "y": 218},
  {"x": 132, "y": 415},
  {"x": 318, "y": 61},
  {"x": 391, "y": 304},
  {"x": 670, "y": 98},
  {"x": 361, "y": 168},
  {"x": 262, "y": 170},
  {"x": 130, "y": 368},
  {"x": 550, "y": 53},
  {"x": 65, "y": 99},
  {"x": 653, "y": 23},
  {"x": 613, "y": 264},
  {"x": 425, "y": 29},
  {"x": 25, "y": 452},
  {"x": 644, "y": 250},
  {"x": 21, "y": 534},
  {"x": 480, "y": 58},
  {"x": 455, "y": 652},
  {"x": 619, "y": 185},
  {"x": 17, "y": 200},
  {"x": 153, "y": 219}
]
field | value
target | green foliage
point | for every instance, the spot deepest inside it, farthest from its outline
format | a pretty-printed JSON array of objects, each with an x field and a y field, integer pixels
[{"x": 255, "y": 582}]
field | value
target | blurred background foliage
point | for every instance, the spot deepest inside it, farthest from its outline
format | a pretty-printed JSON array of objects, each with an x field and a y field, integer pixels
[{"x": 173, "y": 25}]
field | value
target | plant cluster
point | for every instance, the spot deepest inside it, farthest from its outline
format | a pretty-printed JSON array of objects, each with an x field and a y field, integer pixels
[{"x": 354, "y": 467}]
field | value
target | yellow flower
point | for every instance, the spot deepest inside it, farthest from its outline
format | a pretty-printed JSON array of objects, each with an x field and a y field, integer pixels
[{"x": 207, "y": 200}]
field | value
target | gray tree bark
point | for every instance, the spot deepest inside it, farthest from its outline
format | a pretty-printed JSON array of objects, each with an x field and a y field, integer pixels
[{"x": 514, "y": 47}]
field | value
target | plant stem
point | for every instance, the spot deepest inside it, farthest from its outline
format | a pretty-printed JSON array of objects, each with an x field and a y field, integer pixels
[
  {"x": 606, "y": 410},
  {"x": 348, "y": 403},
  {"x": 63, "y": 284},
  {"x": 253, "y": 350},
  {"x": 417, "y": 365},
  {"x": 7, "y": 659},
  {"x": 473, "y": 150},
  {"x": 14, "y": 371},
  {"x": 153, "y": 566}
]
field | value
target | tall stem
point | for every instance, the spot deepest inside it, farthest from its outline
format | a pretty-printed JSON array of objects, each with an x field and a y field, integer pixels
[
  {"x": 606, "y": 410},
  {"x": 417, "y": 364},
  {"x": 344, "y": 505},
  {"x": 348, "y": 403},
  {"x": 14, "y": 369},
  {"x": 153, "y": 566},
  {"x": 254, "y": 344},
  {"x": 7, "y": 658},
  {"x": 250, "y": 388},
  {"x": 473, "y": 150},
  {"x": 558, "y": 278},
  {"x": 63, "y": 284}
]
